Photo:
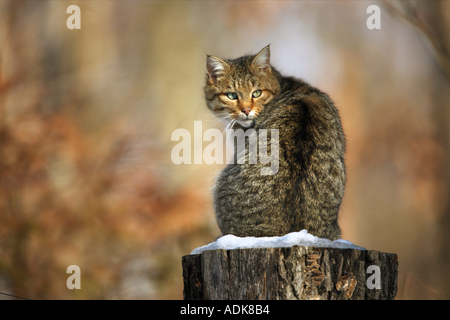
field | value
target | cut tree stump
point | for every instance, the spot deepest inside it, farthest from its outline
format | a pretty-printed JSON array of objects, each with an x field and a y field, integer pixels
[{"x": 291, "y": 273}]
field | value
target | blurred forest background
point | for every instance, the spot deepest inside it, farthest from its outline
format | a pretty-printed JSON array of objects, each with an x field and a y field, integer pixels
[{"x": 86, "y": 118}]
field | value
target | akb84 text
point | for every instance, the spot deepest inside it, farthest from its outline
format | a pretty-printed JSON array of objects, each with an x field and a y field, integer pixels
[{"x": 229, "y": 309}]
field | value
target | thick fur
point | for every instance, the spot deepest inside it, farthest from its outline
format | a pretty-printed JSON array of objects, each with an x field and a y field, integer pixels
[{"x": 307, "y": 190}]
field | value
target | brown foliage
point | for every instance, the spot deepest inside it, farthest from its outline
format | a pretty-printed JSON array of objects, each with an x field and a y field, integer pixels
[{"x": 65, "y": 201}]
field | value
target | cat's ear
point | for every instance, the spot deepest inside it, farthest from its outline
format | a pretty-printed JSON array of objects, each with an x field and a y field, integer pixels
[
  {"x": 262, "y": 60},
  {"x": 214, "y": 67}
]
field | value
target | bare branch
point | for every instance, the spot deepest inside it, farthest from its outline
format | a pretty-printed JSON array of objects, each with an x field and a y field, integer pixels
[{"x": 409, "y": 13}]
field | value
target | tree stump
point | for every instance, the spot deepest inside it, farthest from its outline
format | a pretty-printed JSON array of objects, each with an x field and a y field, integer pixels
[{"x": 291, "y": 273}]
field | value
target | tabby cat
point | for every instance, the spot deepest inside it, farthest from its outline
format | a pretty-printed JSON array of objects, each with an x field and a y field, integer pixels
[{"x": 307, "y": 190}]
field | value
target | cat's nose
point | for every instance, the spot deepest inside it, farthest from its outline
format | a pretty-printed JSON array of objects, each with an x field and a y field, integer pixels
[{"x": 246, "y": 111}]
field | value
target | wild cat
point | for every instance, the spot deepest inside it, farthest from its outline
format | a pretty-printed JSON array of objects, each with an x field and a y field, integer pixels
[{"x": 307, "y": 190}]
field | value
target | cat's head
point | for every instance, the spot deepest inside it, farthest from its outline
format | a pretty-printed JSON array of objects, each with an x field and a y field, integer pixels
[{"x": 237, "y": 90}]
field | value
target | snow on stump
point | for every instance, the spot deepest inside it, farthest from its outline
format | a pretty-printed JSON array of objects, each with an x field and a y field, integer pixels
[{"x": 297, "y": 266}]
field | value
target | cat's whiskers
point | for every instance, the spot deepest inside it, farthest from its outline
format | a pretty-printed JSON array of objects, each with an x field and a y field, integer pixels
[
  {"x": 222, "y": 115},
  {"x": 216, "y": 119},
  {"x": 219, "y": 122},
  {"x": 228, "y": 126},
  {"x": 228, "y": 133}
]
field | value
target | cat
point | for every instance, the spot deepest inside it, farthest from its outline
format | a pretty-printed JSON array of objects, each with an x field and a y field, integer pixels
[{"x": 307, "y": 190}]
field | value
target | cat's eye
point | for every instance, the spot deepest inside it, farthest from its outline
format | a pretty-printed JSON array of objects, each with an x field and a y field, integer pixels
[
  {"x": 256, "y": 93},
  {"x": 232, "y": 95}
]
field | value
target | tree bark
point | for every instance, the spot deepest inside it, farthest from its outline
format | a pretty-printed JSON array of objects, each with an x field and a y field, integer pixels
[{"x": 294, "y": 273}]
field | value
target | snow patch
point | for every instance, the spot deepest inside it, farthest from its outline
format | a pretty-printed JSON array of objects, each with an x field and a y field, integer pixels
[{"x": 301, "y": 238}]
